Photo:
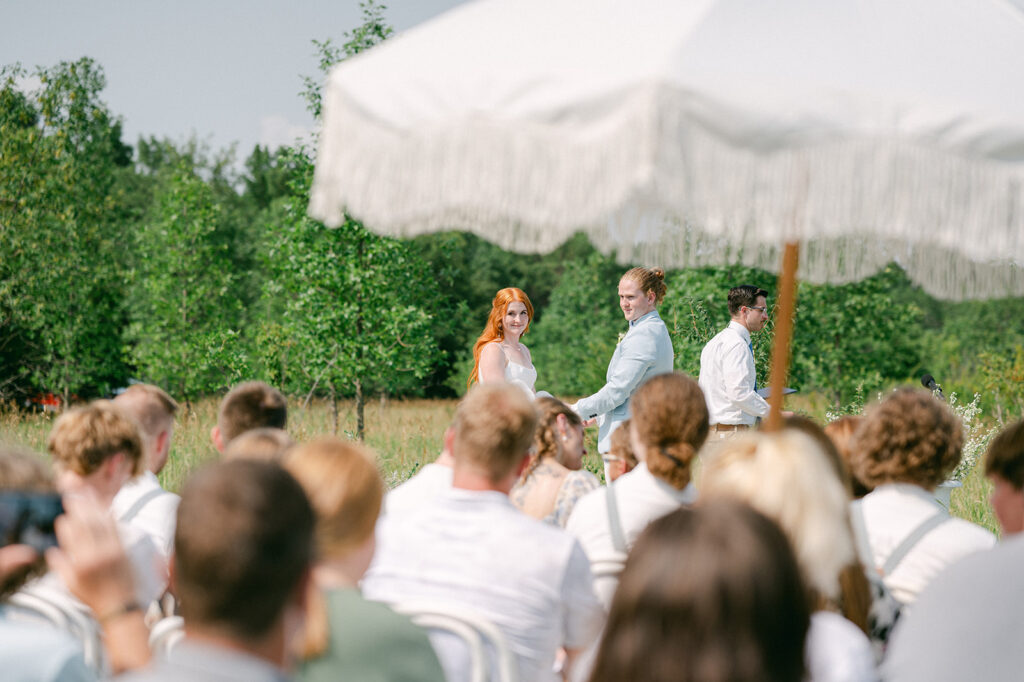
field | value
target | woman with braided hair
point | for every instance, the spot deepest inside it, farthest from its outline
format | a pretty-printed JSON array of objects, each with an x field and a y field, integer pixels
[{"x": 554, "y": 479}]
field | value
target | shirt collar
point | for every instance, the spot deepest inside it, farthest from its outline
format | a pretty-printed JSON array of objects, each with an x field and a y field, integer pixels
[
  {"x": 743, "y": 331},
  {"x": 644, "y": 317}
]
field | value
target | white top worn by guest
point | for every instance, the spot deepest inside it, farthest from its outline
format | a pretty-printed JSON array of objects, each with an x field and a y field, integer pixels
[
  {"x": 474, "y": 550},
  {"x": 640, "y": 498},
  {"x": 143, "y": 504},
  {"x": 727, "y": 377},
  {"x": 966, "y": 625},
  {"x": 838, "y": 651},
  {"x": 432, "y": 480},
  {"x": 891, "y": 512}
]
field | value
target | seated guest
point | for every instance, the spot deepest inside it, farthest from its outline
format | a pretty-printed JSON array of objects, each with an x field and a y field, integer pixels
[
  {"x": 243, "y": 550},
  {"x": 787, "y": 477},
  {"x": 841, "y": 433},
  {"x": 429, "y": 481},
  {"x": 1004, "y": 466},
  {"x": 710, "y": 594},
  {"x": 96, "y": 449},
  {"x": 669, "y": 424},
  {"x": 90, "y": 561},
  {"x": 267, "y": 444},
  {"x": 141, "y": 502},
  {"x": 966, "y": 623},
  {"x": 553, "y": 480},
  {"x": 346, "y": 636},
  {"x": 471, "y": 549},
  {"x": 619, "y": 459},
  {"x": 906, "y": 446},
  {"x": 247, "y": 406}
]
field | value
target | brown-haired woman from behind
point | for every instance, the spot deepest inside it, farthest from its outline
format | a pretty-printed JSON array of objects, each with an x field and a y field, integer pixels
[
  {"x": 668, "y": 426},
  {"x": 710, "y": 594},
  {"x": 347, "y": 636}
]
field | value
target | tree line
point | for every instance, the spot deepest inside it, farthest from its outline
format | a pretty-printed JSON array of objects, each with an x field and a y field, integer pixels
[{"x": 168, "y": 263}]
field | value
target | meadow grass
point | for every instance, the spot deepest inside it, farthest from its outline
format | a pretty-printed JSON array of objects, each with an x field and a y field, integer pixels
[{"x": 405, "y": 435}]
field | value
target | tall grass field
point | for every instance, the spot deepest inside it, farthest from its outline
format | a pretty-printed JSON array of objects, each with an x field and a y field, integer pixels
[{"x": 405, "y": 435}]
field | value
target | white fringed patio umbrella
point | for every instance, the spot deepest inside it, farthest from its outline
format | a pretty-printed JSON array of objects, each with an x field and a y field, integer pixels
[{"x": 702, "y": 132}]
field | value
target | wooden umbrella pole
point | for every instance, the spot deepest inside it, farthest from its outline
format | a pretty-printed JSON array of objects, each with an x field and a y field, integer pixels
[{"x": 784, "y": 314}]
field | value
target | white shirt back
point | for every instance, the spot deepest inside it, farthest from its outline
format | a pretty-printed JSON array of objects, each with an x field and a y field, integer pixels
[
  {"x": 474, "y": 550},
  {"x": 143, "y": 504},
  {"x": 728, "y": 377}
]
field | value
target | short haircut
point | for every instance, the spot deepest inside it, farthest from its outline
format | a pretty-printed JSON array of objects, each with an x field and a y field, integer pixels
[
  {"x": 649, "y": 280},
  {"x": 1005, "y": 455},
  {"x": 265, "y": 444},
  {"x": 150, "y": 406},
  {"x": 494, "y": 426},
  {"x": 251, "y": 405},
  {"x": 737, "y": 612},
  {"x": 910, "y": 437},
  {"x": 22, "y": 471},
  {"x": 786, "y": 477},
  {"x": 243, "y": 542},
  {"x": 670, "y": 418},
  {"x": 744, "y": 295},
  {"x": 346, "y": 491},
  {"x": 85, "y": 437},
  {"x": 621, "y": 446}
]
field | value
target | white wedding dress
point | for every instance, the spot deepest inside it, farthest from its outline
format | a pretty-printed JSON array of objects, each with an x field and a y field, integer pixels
[{"x": 522, "y": 376}]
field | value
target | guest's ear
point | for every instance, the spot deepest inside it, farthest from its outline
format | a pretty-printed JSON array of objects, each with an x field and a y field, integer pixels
[{"x": 218, "y": 441}]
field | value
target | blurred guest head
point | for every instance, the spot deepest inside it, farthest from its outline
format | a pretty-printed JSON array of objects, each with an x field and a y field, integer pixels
[
  {"x": 910, "y": 437},
  {"x": 620, "y": 458},
  {"x": 154, "y": 411},
  {"x": 1004, "y": 465},
  {"x": 250, "y": 405},
  {"x": 840, "y": 432},
  {"x": 267, "y": 444},
  {"x": 21, "y": 473},
  {"x": 494, "y": 427},
  {"x": 737, "y": 613}
]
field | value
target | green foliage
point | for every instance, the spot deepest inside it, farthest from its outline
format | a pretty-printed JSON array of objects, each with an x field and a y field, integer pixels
[
  {"x": 574, "y": 339},
  {"x": 185, "y": 319},
  {"x": 855, "y": 335},
  {"x": 1001, "y": 376},
  {"x": 62, "y": 267}
]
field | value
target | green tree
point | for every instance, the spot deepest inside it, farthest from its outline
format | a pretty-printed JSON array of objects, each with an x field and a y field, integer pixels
[
  {"x": 185, "y": 318},
  {"x": 61, "y": 214}
]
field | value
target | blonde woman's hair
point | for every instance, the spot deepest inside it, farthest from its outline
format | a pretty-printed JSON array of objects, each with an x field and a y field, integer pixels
[
  {"x": 346, "y": 491},
  {"x": 85, "y": 437},
  {"x": 786, "y": 476}
]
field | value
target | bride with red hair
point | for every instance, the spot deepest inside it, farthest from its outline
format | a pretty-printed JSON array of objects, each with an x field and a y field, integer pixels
[{"x": 498, "y": 355}]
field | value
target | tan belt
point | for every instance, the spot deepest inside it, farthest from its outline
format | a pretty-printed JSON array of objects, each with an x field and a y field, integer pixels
[{"x": 730, "y": 427}]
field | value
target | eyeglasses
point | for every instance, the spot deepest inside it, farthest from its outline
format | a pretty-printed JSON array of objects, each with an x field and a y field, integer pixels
[
  {"x": 608, "y": 459},
  {"x": 763, "y": 309}
]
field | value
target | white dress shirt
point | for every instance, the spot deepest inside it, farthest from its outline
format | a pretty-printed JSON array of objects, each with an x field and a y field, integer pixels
[
  {"x": 474, "y": 550},
  {"x": 429, "y": 482},
  {"x": 838, "y": 651},
  {"x": 891, "y": 512},
  {"x": 143, "y": 504},
  {"x": 727, "y": 377},
  {"x": 641, "y": 497}
]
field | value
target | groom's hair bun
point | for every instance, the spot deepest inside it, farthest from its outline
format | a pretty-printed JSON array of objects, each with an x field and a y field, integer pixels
[{"x": 649, "y": 279}]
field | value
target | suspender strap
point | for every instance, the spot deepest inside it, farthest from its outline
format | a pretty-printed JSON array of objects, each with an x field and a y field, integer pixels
[
  {"x": 925, "y": 527},
  {"x": 134, "y": 510},
  {"x": 614, "y": 523}
]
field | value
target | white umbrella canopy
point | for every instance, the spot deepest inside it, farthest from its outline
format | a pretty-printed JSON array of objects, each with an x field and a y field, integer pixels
[{"x": 698, "y": 132}]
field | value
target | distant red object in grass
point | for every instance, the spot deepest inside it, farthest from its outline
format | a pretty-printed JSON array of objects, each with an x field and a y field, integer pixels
[{"x": 46, "y": 402}]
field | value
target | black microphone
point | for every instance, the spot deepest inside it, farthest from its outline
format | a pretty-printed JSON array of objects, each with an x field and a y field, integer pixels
[{"x": 928, "y": 381}]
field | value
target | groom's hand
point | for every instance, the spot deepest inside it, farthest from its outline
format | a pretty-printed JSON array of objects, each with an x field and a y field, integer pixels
[{"x": 589, "y": 422}]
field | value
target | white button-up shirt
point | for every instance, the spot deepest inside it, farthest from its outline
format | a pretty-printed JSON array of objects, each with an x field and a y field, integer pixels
[
  {"x": 474, "y": 550},
  {"x": 143, "y": 504},
  {"x": 727, "y": 377}
]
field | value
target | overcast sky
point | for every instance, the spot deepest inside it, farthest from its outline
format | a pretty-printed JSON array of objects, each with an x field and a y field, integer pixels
[{"x": 225, "y": 70}]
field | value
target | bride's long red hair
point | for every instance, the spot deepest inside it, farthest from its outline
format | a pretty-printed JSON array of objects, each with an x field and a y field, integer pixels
[{"x": 493, "y": 330}]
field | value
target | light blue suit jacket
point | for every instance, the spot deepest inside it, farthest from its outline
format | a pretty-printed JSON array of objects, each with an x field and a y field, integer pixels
[{"x": 644, "y": 352}]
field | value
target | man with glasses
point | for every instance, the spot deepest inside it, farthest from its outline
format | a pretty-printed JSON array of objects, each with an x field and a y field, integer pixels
[{"x": 727, "y": 374}]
